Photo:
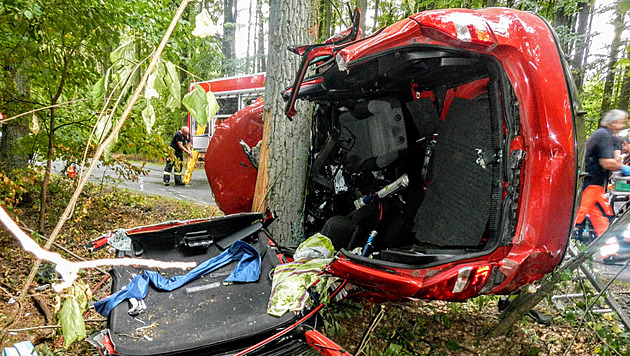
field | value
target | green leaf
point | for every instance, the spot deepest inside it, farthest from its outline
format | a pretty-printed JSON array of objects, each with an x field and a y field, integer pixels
[
  {"x": 158, "y": 82},
  {"x": 171, "y": 79},
  {"x": 126, "y": 52},
  {"x": 148, "y": 115},
  {"x": 103, "y": 125},
  {"x": 393, "y": 349},
  {"x": 201, "y": 105},
  {"x": 534, "y": 351},
  {"x": 453, "y": 345},
  {"x": 71, "y": 313},
  {"x": 98, "y": 90}
]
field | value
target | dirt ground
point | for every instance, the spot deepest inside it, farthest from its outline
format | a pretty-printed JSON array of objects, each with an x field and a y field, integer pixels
[{"x": 414, "y": 328}]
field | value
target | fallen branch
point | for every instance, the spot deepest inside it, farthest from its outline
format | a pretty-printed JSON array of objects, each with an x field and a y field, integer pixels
[
  {"x": 7, "y": 292},
  {"x": 52, "y": 326},
  {"x": 41, "y": 304}
]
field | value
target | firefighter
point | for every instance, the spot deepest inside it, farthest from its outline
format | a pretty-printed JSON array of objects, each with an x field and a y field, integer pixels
[{"x": 180, "y": 143}]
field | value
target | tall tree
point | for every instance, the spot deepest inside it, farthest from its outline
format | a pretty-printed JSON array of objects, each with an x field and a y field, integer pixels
[
  {"x": 284, "y": 155},
  {"x": 260, "y": 52},
  {"x": 582, "y": 42},
  {"x": 376, "y": 6},
  {"x": 615, "y": 46},
  {"x": 229, "y": 36},
  {"x": 12, "y": 102},
  {"x": 249, "y": 37},
  {"x": 363, "y": 6},
  {"x": 325, "y": 12}
]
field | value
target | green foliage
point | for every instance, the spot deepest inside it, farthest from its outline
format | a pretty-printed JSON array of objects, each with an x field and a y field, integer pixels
[
  {"x": 482, "y": 301},
  {"x": 453, "y": 345},
  {"x": 394, "y": 349},
  {"x": 14, "y": 190},
  {"x": 533, "y": 351},
  {"x": 591, "y": 98},
  {"x": 335, "y": 313},
  {"x": 64, "y": 50}
]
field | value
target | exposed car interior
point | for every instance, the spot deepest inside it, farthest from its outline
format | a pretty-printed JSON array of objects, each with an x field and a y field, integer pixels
[{"x": 410, "y": 144}]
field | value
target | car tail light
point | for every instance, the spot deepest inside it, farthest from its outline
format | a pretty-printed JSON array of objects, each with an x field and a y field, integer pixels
[
  {"x": 462, "y": 279},
  {"x": 460, "y": 284},
  {"x": 471, "y": 278},
  {"x": 463, "y": 27}
]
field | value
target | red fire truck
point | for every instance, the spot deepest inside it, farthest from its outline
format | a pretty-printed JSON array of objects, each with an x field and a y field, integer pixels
[{"x": 232, "y": 94}]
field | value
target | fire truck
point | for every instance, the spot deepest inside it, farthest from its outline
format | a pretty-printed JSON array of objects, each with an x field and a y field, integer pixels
[{"x": 232, "y": 94}]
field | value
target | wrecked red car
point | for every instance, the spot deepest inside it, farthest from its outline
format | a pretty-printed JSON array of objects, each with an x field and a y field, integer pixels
[
  {"x": 452, "y": 135},
  {"x": 443, "y": 166}
]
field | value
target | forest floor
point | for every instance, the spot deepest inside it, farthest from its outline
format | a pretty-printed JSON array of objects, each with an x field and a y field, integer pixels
[{"x": 414, "y": 328}]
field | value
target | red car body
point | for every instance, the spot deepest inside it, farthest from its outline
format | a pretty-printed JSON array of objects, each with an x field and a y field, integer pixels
[{"x": 545, "y": 103}]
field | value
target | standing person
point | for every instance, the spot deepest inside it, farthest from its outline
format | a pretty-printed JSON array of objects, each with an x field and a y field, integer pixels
[
  {"x": 180, "y": 144},
  {"x": 602, "y": 156}
]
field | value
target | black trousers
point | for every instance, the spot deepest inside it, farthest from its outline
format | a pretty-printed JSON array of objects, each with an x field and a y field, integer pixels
[{"x": 177, "y": 166}]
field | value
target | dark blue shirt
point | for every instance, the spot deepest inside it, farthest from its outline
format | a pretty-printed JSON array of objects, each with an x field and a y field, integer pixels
[
  {"x": 601, "y": 144},
  {"x": 179, "y": 137}
]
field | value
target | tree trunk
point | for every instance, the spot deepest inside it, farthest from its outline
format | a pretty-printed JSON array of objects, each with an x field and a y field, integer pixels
[
  {"x": 249, "y": 38},
  {"x": 51, "y": 142},
  {"x": 229, "y": 32},
  {"x": 362, "y": 5},
  {"x": 376, "y": 23},
  {"x": 561, "y": 21},
  {"x": 582, "y": 43},
  {"x": 260, "y": 53},
  {"x": 12, "y": 154},
  {"x": 284, "y": 155},
  {"x": 44, "y": 187},
  {"x": 324, "y": 25},
  {"x": 613, "y": 58}
]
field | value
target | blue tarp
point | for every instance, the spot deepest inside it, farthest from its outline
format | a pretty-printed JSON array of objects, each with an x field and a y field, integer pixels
[{"x": 247, "y": 270}]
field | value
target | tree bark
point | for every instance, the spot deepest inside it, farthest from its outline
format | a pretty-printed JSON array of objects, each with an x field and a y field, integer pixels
[
  {"x": 12, "y": 154},
  {"x": 615, "y": 45},
  {"x": 44, "y": 188},
  {"x": 281, "y": 181}
]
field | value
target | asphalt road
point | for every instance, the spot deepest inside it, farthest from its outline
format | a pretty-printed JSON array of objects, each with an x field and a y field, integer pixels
[{"x": 198, "y": 191}]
